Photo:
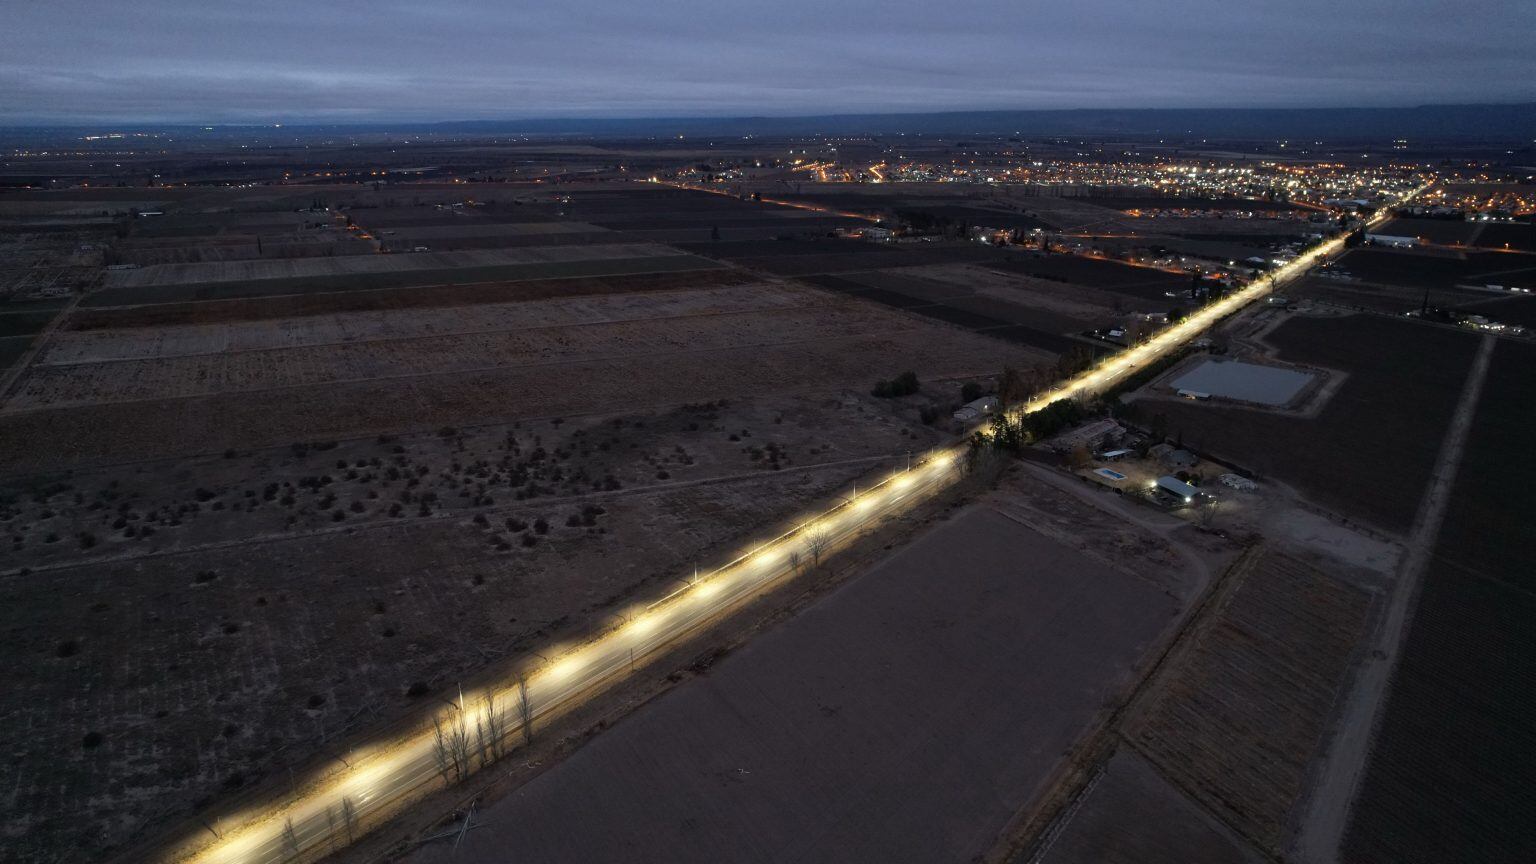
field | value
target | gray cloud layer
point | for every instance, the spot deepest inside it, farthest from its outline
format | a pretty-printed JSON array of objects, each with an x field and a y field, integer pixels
[{"x": 223, "y": 61}]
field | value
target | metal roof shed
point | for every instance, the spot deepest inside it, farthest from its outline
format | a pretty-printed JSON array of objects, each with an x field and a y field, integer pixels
[{"x": 1175, "y": 486}]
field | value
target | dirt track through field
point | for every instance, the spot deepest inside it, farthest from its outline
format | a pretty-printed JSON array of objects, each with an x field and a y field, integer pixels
[{"x": 1323, "y": 829}]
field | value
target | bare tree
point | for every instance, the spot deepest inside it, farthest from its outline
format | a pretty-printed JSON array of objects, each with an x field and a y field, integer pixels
[
  {"x": 524, "y": 710},
  {"x": 440, "y": 750},
  {"x": 460, "y": 743},
  {"x": 349, "y": 818},
  {"x": 1208, "y": 512},
  {"x": 330, "y": 826},
  {"x": 794, "y": 561},
  {"x": 816, "y": 542},
  {"x": 290, "y": 839},
  {"x": 495, "y": 728},
  {"x": 482, "y": 743}
]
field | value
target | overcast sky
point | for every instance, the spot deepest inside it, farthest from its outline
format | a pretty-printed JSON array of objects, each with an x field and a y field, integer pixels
[{"x": 209, "y": 61}]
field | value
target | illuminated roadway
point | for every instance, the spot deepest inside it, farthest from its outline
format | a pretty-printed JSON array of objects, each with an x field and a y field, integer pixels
[{"x": 383, "y": 777}]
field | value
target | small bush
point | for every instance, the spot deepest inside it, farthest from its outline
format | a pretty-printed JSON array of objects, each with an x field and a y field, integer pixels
[{"x": 904, "y": 384}]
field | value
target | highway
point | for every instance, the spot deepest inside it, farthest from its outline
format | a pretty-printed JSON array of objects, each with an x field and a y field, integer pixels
[{"x": 376, "y": 780}]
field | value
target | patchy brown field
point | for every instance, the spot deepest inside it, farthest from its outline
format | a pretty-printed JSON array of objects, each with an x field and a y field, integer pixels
[
  {"x": 688, "y": 350},
  {"x": 1237, "y": 717},
  {"x": 378, "y": 300}
]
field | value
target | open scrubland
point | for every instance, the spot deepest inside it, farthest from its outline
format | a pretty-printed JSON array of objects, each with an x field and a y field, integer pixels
[{"x": 228, "y": 617}]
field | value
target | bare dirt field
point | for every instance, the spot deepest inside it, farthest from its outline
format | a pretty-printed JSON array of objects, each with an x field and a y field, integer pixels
[
  {"x": 1441, "y": 231},
  {"x": 969, "y": 297},
  {"x": 1508, "y": 236},
  {"x": 1133, "y": 816},
  {"x": 1142, "y": 283},
  {"x": 912, "y": 712},
  {"x": 1452, "y": 768},
  {"x": 1440, "y": 270},
  {"x": 1369, "y": 451}
]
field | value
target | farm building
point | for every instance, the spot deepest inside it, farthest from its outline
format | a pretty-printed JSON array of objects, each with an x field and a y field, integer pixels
[
  {"x": 1091, "y": 435},
  {"x": 977, "y": 409},
  {"x": 1173, "y": 487}
]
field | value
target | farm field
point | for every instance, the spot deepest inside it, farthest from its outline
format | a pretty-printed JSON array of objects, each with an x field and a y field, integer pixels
[
  {"x": 386, "y": 299},
  {"x": 1521, "y": 237},
  {"x": 1440, "y": 271},
  {"x": 12, "y": 348},
  {"x": 1509, "y": 310},
  {"x": 1133, "y": 816},
  {"x": 1146, "y": 283},
  {"x": 206, "y": 368},
  {"x": 865, "y": 759},
  {"x": 1168, "y": 202},
  {"x": 1443, "y": 232},
  {"x": 1403, "y": 381},
  {"x": 642, "y": 209},
  {"x": 103, "y": 345},
  {"x": 256, "y": 271},
  {"x": 581, "y": 266},
  {"x": 962, "y": 306},
  {"x": 855, "y": 255},
  {"x": 1237, "y": 716},
  {"x": 1379, "y": 297},
  {"x": 653, "y": 348},
  {"x": 1452, "y": 771}
]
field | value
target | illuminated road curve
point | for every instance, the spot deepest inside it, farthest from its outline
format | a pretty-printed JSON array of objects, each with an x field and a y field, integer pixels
[{"x": 385, "y": 776}]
